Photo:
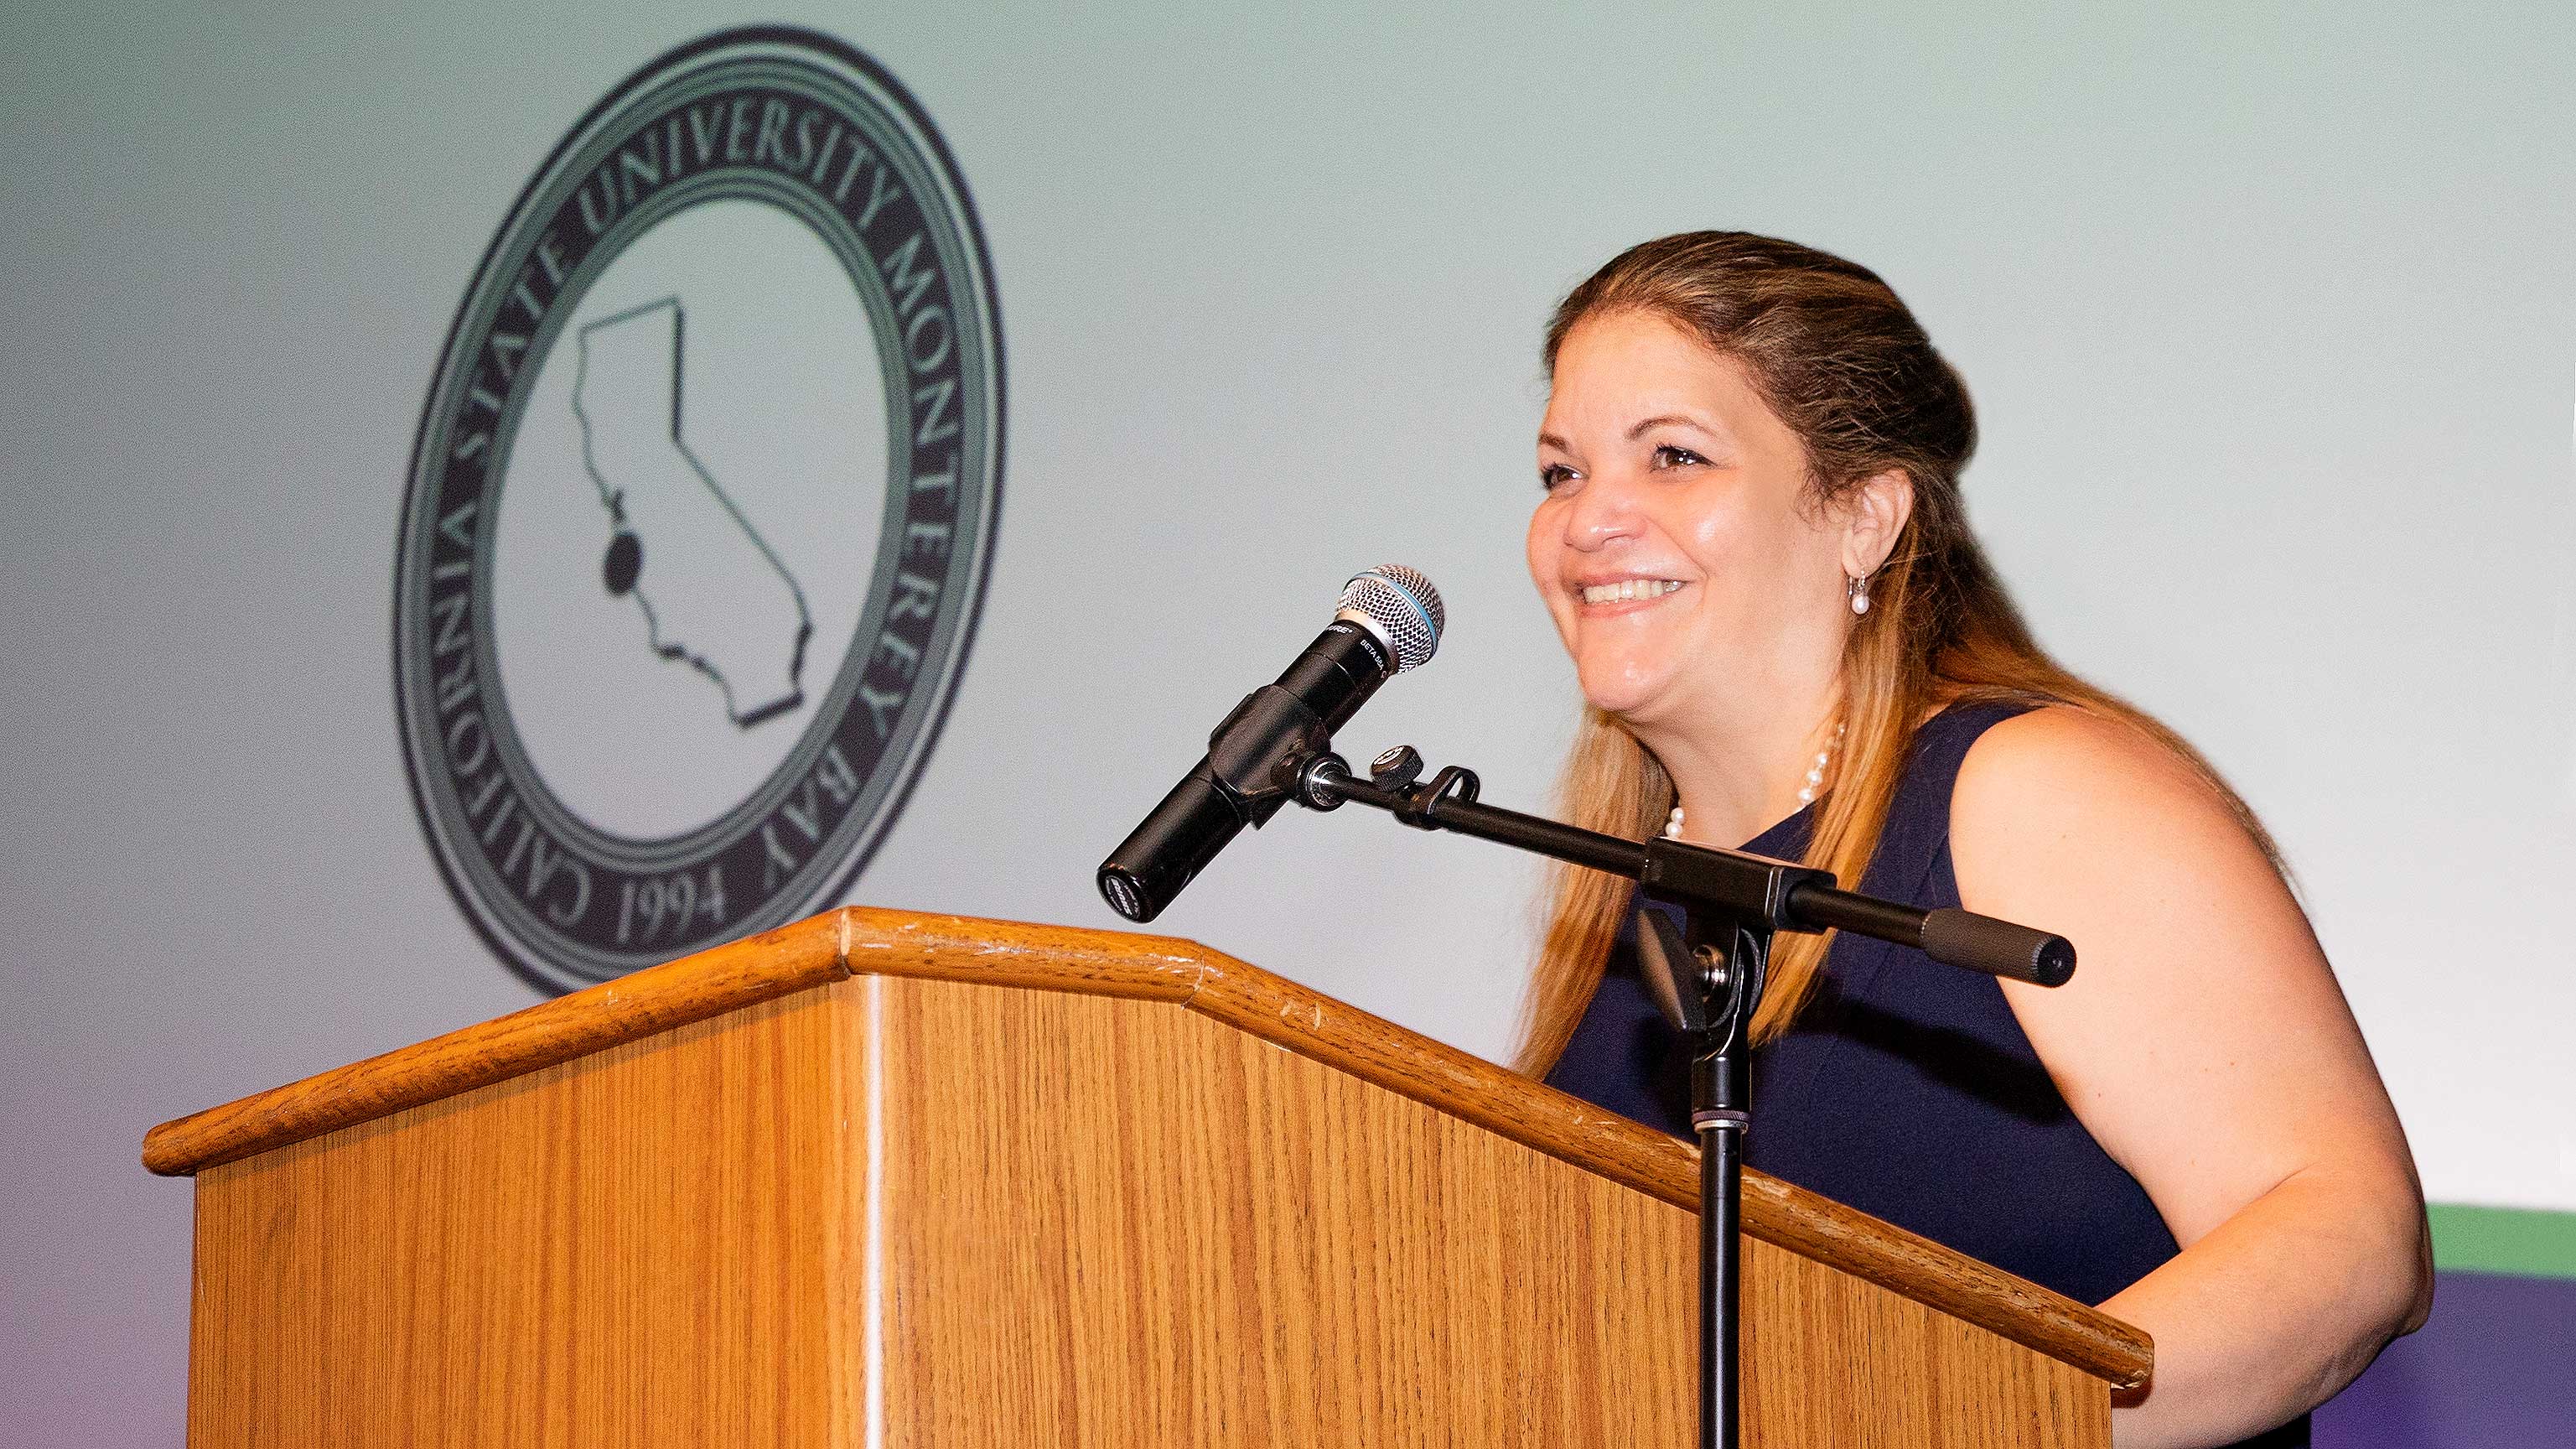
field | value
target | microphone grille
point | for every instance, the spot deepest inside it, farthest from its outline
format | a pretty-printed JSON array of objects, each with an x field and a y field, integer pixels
[{"x": 1405, "y": 608}]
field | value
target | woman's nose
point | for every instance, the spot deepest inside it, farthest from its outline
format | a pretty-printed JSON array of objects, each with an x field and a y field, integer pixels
[{"x": 1604, "y": 511}]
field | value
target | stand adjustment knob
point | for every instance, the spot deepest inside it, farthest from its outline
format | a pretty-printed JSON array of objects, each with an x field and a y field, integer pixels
[{"x": 1397, "y": 768}]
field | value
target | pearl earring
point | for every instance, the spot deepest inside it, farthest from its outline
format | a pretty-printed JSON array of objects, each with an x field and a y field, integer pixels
[{"x": 1859, "y": 593}]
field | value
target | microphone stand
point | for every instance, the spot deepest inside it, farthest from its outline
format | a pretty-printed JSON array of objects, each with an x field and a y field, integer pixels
[{"x": 1707, "y": 977}]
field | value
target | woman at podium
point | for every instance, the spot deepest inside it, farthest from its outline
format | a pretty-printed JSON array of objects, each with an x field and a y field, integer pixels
[{"x": 1752, "y": 541}]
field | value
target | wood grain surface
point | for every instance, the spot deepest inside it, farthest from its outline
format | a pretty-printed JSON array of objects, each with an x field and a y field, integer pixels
[
  {"x": 644, "y": 1247},
  {"x": 1144, "y": 1228},
  {"x": 1630, "y": 1153},
  {"x": 1059, "y": 961}
]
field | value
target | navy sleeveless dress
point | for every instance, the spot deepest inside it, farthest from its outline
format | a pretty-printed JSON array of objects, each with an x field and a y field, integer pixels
[{"x": 1904, "y": 1087}]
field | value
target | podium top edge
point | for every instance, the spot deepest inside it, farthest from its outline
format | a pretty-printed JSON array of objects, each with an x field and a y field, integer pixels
[
  {"x": 856, "y": 940},
  {"x": 830, "y": 947}
]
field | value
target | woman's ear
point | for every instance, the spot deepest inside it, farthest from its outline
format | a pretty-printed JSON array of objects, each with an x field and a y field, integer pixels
[{"x": 1874, "y": 517}]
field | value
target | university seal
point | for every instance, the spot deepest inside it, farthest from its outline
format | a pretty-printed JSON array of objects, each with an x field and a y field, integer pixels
[{"x": 700, "y": 510}]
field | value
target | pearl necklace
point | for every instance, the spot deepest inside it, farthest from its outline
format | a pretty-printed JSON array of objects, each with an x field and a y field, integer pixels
[{"x": 1806, "y": 793}]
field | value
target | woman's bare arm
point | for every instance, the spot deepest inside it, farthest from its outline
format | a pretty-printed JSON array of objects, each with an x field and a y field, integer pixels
[{"x": 2206, "y": 1046}]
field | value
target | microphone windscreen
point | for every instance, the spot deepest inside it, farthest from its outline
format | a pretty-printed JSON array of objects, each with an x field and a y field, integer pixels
[{"x": 1405, "y": 608}]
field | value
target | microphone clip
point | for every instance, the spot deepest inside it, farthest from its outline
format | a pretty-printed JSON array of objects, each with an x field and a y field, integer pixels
[{"x": 1257, "y": 752}]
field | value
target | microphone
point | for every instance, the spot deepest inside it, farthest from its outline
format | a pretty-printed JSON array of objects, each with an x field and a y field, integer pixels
[{"x": 1387, "y": 620}]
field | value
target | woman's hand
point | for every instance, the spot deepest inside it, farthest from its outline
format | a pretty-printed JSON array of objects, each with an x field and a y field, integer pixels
[{"x": 2205, "y": 1045}]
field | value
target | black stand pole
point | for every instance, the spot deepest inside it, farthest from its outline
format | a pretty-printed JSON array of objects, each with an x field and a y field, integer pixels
[
  {"x": 1721, "y": 1113},
  {"x": 1708, "y": 978},
  {"x": 1721, "y": 1312}
]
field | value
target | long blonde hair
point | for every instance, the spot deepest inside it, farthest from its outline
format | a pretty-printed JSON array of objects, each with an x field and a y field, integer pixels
[{"x": 1840, "y": 360}]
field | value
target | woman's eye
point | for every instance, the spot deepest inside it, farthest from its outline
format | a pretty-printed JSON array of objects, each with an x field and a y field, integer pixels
[
  {"x": 1669, "y": 456},
  {"x": 1551, "y": 474}
]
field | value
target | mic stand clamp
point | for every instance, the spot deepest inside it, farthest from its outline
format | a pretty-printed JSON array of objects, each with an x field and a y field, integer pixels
[
  {"x": 1323, "y": 781},
  {"x": 1257, "y": 753}
]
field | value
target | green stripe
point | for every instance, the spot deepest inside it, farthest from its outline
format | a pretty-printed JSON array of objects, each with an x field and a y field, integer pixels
[{"x": 2522, "y": 1241}]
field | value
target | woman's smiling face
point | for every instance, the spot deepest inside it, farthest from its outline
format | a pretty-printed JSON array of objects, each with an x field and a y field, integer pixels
[{"x": 1677, "y": 548}]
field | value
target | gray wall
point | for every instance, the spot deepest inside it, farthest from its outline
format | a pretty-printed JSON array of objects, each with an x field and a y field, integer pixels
[{"x": 2272, "y": 320}]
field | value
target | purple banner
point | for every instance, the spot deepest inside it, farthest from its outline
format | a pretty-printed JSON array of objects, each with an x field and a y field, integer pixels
[{"x": 2494, "y": 1369}]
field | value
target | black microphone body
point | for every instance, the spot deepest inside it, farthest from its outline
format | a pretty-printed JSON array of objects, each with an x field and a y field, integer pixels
[{"x": 1249, "y": 768}]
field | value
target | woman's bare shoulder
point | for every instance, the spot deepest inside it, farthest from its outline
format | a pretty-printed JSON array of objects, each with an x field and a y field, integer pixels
[
  {"x": 2065, "y": 777},
  {"x": 2202, "y": 1041}
]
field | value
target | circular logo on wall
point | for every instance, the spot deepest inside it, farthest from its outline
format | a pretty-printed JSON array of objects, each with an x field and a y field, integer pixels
[{"x": 700, "y": 510}]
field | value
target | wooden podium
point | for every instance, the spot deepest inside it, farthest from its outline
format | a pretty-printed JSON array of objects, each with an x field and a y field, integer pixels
[{"x": 886, "y": 1179}]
